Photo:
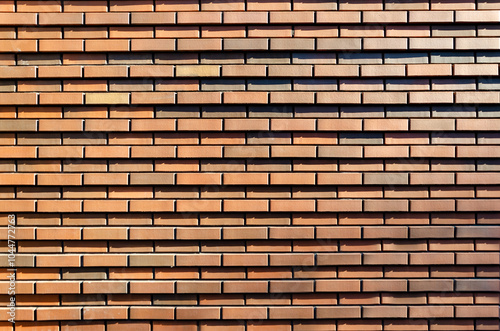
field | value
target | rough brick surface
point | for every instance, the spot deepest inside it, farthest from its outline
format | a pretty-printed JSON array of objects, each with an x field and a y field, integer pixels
[{"x": 251, "y": 164}]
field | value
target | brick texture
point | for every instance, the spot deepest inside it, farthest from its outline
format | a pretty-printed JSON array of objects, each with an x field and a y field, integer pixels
[{"x": 251, "y": 164}]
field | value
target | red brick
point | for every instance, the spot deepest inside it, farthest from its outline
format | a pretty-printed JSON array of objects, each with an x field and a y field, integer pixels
[
  {"x": 290, "y": 70},
  {"x": 269, "y": 31},
  {"x": 244, "y": 70},
  {"x": 59, "y": 45},
  {"x": 338, "y": 285},
  {"x": 106, "y": 18},
  {"x": 105, "y": 206},
  {"x": 152, "y": 205},
  {"x": 199, "y": 151},
  {"x": 61, "y": 98},
  {"x": 477, "y": 258},
  {"x": 199, "y": 18},
  {"x": 293, "y": 124},
  {"x": 406, "y": 138},
  {"x": 245, "y": 205},
  {"x": 57, "y": 261},
  {"x": 244, "y": 312},
  {"x": 142, "y": 5},
  {"x": 107, "y": 313},
  {"x": 199, "y": 97},
  {"x": 249, "y": 17},
  {"x": 153, "y": 125},
  {"x": 336, "y": 70},
  {"x": 407, "y": 31},
  {"x": 18, "y": 99},
  {"x": 269, "y": 5},
  {"x": 60, "y": 19},
  {"x": 153, "y": 18},
  {"x": 17, "y": 151},
  {"x": 477, "y": 205},
  {"x": 432, "y": 178},
  {"x": 333, "y": 17},
  {"x": 104, "y": 287},
  {"x": 172, "y": 32},
  {"x": 434, "y": 97},
  {"x": 339, "y": 125},
  {"x": 106, "y": 151},
  {"x": 17, "y": 179},
  {"x": 386, "y": 151},
  {"x": 292, "y": 205},
  {"x": 59, "y": 206},
  {"x": 148, "y": 313},
  {"x": 103, "y": 71},
  {"x": 432, "y": 205},
  {"x": 477, "y": 151},
  {"x": 199, "y": 287},
  {"x": 211, "y": 44},
  {"x": 281, "y": 231},
  {"x": 61, "y": 314},
  {"x": 141, "y": 45},
  {"x": 198, "y": 260},
  {"x": 485, "y": 178},
  {"x": 107, "y": 125},
  {"x": 291, "y": 312},
  {"x": 222, "y": 138},
  {"x": 477, "y": 97},
  {"x": 18, "y": 72},
  {"x": 246, "y": 260},
  {"x": 363, "y": 31},
  {"x": 431, "y": 311},
  {"x": 429, "y": 70},
  {"x": 431, "y": 258},
  {"x": 147, "y": 98},
  {"x": 385, "y": 312},
  {"x": 277, "y": 17},
  {"x": 198, "y": 206},
  {"x": 18, "y": 18},
  {"x": 381, "y": 71},
  {"x": 339, "y": 97},
  {"x": 243, "y": 233}
]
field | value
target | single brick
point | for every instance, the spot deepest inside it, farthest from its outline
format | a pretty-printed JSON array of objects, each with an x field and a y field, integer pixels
[
  {"x": 249, "y": 17},
  {"x": 477, "y": 43},
  {"x": 394, "y": 58},
  {"x": 333, "y": 17},
  {"x": 364, "y": 138},
  {"x": 338, "y": 44}
]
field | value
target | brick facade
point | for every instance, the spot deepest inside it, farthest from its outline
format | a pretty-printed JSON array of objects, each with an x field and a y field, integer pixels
[{"x": 235, "y": 165}]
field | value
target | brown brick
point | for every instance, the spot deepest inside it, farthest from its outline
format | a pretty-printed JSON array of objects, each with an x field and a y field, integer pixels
[
  {"x": 108, "y": 313},
  {"x": 290, "y": 70},
  {"x": 251, "y": 70},
  {"x": 398, "y": 218}
]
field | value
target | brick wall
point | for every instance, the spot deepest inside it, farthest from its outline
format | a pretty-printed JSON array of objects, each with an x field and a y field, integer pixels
[{"x": 237, "y": 165}]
